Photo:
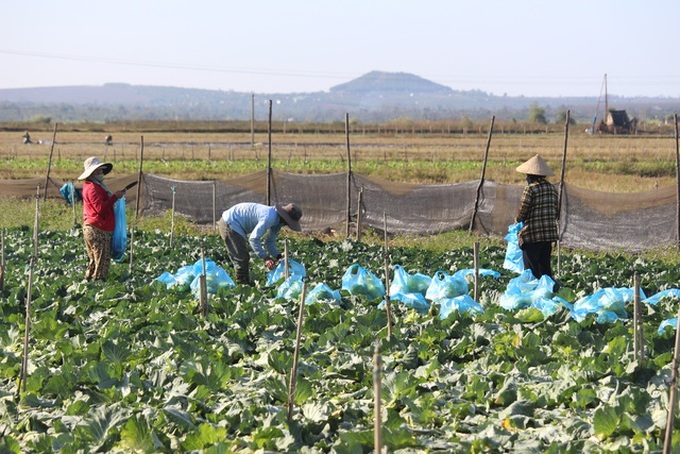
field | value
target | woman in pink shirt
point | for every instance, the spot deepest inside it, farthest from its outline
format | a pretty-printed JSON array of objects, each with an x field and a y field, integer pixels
[{"x": 99, "y": 221}]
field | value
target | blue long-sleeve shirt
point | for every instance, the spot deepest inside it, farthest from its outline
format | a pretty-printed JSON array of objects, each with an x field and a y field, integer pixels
[{"x": 258, "y": 223}]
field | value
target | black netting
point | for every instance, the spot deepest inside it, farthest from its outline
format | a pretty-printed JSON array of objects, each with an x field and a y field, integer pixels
[{"x": 589, "y": 219}]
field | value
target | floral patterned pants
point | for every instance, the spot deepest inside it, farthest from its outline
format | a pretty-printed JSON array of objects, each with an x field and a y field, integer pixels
[{"x": 98, "y": 247}]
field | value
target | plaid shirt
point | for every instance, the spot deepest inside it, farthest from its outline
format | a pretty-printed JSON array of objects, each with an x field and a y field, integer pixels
[{"x": 538, "y": 211}]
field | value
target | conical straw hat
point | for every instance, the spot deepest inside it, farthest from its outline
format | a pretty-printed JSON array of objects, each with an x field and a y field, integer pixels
[{"x": 536, "y": 166}]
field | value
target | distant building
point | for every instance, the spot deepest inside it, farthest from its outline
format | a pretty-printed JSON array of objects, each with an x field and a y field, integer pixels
[{"x": 618, "y": 122}]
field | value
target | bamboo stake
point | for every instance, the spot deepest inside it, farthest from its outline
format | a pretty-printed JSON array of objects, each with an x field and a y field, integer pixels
[
  {"x": 2, "y": 259},
  {"x": 203, "y": 291},
  {"x": 172, "y": 217},
  {"x": 476, "y": 262},
  {"x": 296, "y": 354},
  {"x": 636, "y": 313},
  {"x": 559, "y": 257},
  {"x": 49, "y": 162},
  {"x": 349, "y": 175},
  {"x": 672, "y": 399},
  {"x": 377, "y": 398},
  {"x": 388, "y": 306},
  {"x": 36, "y": 223},
  {"x": 481, "y": 179},
  {"x": 359, "y": 197},
  {"x": 27, "y": 327},
  {"x": 638, "y": 330},
  {"x": 73, "y": 204},
  {"x": 132, "y": 249},
  {"x": 286, "y": 265}
]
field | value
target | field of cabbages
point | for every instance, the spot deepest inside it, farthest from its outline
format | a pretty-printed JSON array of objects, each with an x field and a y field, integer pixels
[{"x": 133, "y": 365}]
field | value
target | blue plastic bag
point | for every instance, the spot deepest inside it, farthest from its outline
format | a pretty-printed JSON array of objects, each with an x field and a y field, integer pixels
[
  {"x": 514, "y": 260},
  {"x": 188, "y": 277},
  {"x": 322, "y": 292},
  {"x": 525, "y": 289},
  {"x": 278, "y": 273},
  {"x": 463, "y": 304},
  {"x": 442, "y": 285},
  {"x": 413, "y": 300},
  {"x": 216, "y": 277},
  {"x": 668, "y": 293},
  {"x": 608, "y": 303},
  {"x": 672, "y": 322},
  {"x": 291, "y": 288},
  {"x": 406, "y": 283},
  {"x": 359, "y": 281},
  {"x": 119, "y": 240},
  {"x": 70, "y": 193}
]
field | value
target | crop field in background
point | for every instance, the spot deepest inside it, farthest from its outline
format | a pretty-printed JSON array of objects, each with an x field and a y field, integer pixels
[{"x": 604, "y": 163}]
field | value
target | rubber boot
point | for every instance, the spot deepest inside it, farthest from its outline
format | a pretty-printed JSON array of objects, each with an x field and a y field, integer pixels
[{"x": 243, "y": 276}]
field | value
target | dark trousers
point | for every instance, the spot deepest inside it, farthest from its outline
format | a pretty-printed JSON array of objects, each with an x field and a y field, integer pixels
[
  {"x": 237, "y": 248},
  {"x": 536, "y": 258}
]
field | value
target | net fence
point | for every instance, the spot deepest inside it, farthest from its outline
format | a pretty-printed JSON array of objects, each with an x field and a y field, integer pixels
[{"x": 588, "y": 219}]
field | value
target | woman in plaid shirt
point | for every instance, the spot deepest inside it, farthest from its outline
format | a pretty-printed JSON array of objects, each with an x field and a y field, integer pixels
[{"x": 538, "y": 212}]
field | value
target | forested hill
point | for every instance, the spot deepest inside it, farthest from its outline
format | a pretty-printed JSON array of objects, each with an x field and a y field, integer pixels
[{"x": 373, "y": 97}]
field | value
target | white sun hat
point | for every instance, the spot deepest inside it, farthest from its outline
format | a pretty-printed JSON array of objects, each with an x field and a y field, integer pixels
[{"x": 93, "y": 163}]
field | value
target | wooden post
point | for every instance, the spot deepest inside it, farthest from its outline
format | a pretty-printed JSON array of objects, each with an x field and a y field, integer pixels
[
  {"x": 49, "y": 162},
  {"x": 269, "y": 157},
  {"x": 672, "y": 399},
  {"x": 214, "y": 205},
  {"x": 349, "y": 175},
  {"x": 139, "y": 196},
  {"x": 481, "y": 180},
  {"x": 388, "y": 306},
  {"x": 139, "y": 177},
  {"x": 677, "y": 180},
  {"x": 476, "y": 264},
  {"x": 296, "y": 354},
  {"x": 172, "y": 217},
  {"x": 252, "y": 119},
  {"x": 564, "y": 165},
  {"x": 377, "y": 399},
  {"x": 359, "y": 197}
]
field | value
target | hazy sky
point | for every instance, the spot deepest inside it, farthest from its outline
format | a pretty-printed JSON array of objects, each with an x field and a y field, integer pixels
[{"x": 520, "y": 47}]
